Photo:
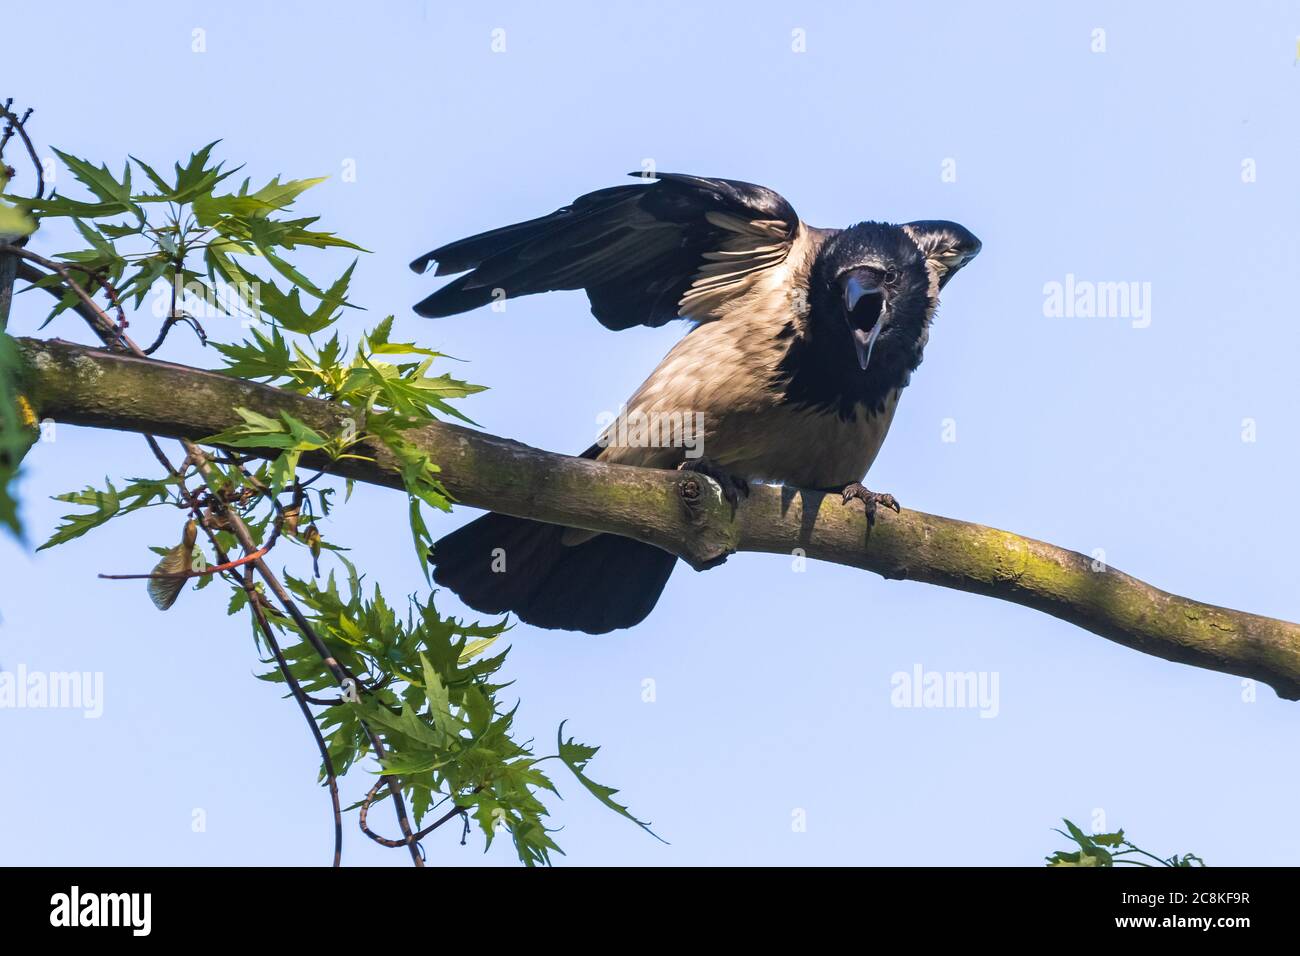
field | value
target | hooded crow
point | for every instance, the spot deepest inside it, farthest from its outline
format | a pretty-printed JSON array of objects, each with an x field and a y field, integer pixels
[{"x": 802, "y": 340}]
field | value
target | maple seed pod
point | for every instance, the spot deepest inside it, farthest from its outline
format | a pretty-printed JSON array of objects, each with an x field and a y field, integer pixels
[
  {"x": 312, "y": 538},
  {"x": 164, "y": 591},
  {"x": 290, "y": 518}
]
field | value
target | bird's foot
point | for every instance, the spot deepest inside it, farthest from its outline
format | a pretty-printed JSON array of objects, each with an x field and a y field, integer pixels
[
  {"x": 872, "y": 499},
  {"x": 733, "y": 486}
]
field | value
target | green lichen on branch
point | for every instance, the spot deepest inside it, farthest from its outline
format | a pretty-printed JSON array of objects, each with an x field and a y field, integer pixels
[{"x": 486, "y": 471}]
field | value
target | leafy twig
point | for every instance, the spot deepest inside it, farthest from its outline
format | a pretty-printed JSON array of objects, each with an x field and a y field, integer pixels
[
  {"x": 18, "y": 124},
  {"x": 1111, "y": 849}
]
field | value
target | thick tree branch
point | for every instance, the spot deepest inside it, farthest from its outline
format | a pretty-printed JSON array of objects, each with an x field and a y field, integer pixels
[{"x": 685, "y": 514}]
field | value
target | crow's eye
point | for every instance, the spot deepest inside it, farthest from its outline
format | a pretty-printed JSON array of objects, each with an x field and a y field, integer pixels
[{"x": 891, "y": 276}]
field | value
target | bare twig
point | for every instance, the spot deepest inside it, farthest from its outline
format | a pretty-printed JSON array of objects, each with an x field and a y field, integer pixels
[
  {"x": 415, "y": 837},
  {"x": 172, "y": 320},
  {"x": 29, "y": 273},
  {"x": 301, "y": 696},
  {"x": 175, "y": 315},
  {"x": 173, "y": 575},
  {"x": 9, "y": 264},
  {"x": 18, "y": 124},
  {"x": 108, "y": 331}
]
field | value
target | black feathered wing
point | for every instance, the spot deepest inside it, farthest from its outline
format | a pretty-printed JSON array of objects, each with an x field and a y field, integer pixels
[{"x": 678, "y": 247}]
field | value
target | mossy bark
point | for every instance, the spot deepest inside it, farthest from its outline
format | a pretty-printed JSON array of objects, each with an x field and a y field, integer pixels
[{"x": 685, "y": 514}]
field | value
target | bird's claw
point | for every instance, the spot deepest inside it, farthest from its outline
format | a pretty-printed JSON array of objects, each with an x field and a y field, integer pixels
[
  {"x": 871, "y": 499},
  {"x": 733, "y": 487}
]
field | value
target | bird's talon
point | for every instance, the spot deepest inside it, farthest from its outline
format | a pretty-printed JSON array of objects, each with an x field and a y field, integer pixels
[
  {"x": 870, "y": 500},
  {"x": 733, "y": 487}
]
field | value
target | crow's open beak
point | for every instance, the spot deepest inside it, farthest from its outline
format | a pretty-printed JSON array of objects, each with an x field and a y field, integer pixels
[
  {"x": 863, "y": 301},
  {"x": 864, "y": 342}
]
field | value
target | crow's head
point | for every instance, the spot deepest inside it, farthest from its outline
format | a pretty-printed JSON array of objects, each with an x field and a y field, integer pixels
[{"x": 876, "y": 285}]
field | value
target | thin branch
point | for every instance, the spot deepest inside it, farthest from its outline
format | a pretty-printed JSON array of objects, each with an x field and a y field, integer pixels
[
  {"x": 204, "y": 572},
  {"x": 255, "y": 601},
  {"x": 174, "y": 314},
  {"x": 385, "y": 841},
  {"x": 112, "y": 334},
  {"x": 684, "y": 513},
  {"x": 29, "y": 273},
  {"x": 18, "y": 124},
  {"x": 301, "y": 696},
  {"x": 336, "y": 669},
  {"x": 172, "y": 320},
  {"x": 114, "y": 337},
  {"x": 100, "y": 275},
  {"x": 107, "y": 330},
  {"x": 8, "y": 273}
]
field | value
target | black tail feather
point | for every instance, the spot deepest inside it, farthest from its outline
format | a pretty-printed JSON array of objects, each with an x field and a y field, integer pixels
[{"x": 605, "y": 583}]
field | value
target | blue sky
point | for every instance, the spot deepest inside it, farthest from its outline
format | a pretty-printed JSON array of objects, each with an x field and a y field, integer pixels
[{"x": 772, "y": 687}]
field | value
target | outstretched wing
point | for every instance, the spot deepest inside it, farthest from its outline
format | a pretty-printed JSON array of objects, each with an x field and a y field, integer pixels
[{"x": 679, "y": 247}]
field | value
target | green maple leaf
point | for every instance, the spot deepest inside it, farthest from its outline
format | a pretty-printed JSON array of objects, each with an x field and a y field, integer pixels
[
  {"x": 102, "y": 184},
  {"x": 576, "y": 756},
  {"x": 105, "y": 506}
]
